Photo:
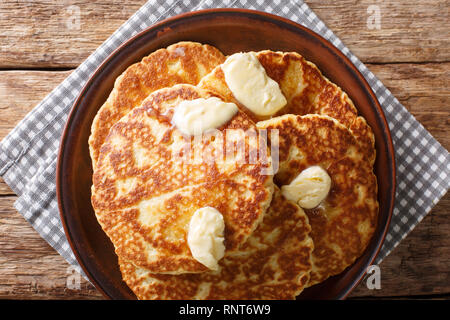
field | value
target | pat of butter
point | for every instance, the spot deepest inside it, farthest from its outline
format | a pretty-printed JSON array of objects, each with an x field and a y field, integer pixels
[
  {"x": 193, "y": 117},
  {"x": 309, "y": 188},
  {"x": 250, "y": 84},
  {"x": 205, "y": 237}
]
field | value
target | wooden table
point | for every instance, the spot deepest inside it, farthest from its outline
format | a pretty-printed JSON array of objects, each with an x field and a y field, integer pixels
[{"x": 410, "y": 53}]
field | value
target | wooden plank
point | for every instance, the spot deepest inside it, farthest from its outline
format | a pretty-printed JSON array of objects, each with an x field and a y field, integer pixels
[
  {"x": 31, "y": 269},
  {"x": 423, "y": 90},
  {"x": 420, "y": 265},
  {"x": 4, "y": 188},
  {"x": 23, "y": 90},
  {"x": 20, "y": 91},
  {"x": 45, "y": 34},
  {"x": 410, "y": 31}
]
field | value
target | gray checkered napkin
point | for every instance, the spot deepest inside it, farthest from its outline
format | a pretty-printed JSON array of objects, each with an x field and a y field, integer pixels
[{"x": 28, "y": 154}]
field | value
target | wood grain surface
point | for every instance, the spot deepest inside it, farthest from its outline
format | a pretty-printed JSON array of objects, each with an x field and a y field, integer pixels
[
  {"x": 41, "y": 33},
  {"x": 410, "y": 54}
]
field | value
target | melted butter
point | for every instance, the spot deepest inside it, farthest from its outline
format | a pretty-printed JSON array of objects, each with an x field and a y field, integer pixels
[
  {"x": 309, "y": 188},
  {"x": 250, "y": 84},
  {"x": 193, "y": 117},
  {"x": 205, "y": 237}
]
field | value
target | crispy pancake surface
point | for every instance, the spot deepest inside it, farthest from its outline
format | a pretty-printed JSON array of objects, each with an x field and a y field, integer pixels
[
  {"x": 150, "y": 179},
  {"x": 274, "y": 263},
  {"x": 343, "y": 224},
  {"x": 183, "y": 62},
  {"x": 307, "y": 92}
]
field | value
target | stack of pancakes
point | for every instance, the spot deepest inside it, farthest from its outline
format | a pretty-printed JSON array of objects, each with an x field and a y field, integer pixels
[{"x": 144, "y": 196}]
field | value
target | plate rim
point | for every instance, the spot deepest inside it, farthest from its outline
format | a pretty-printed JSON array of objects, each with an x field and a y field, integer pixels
[{"x": 248, "y": 12}]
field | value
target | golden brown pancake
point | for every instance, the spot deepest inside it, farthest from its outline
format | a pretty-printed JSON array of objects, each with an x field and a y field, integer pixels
[
  {"x": 343, "y": 224},
  {"x": 146, "y": 185},
  {"x": 183, "y": 62},
  {"x": 274, "y": 263},
  {"x": 306, "y": 90}
]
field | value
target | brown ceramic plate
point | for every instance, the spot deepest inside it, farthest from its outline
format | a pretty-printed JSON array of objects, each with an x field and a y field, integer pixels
[{"x": 230, "y": 30}]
